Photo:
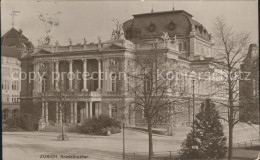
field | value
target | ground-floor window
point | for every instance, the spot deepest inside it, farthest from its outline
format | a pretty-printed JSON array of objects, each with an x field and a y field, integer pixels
[
  {"x": 15, "y": 113},
  {"x": 5, "y": 114},
  {"x": 114, "y": 111}
]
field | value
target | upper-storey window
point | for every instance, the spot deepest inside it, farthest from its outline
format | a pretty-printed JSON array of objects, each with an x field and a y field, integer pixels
[
  {"x": 44, "y": 84},
  {"x": 5, "y": 98},
  {"x": 5, "y": 85},
  {"x": 184, "y": 46},
  {"x": 147, "y": 83},
  {"x": 15, "y": 85},
  {"x": 180, "y": 46},
  {"x": 5, "y": 71},
  {"x": 113, "y": 80}
]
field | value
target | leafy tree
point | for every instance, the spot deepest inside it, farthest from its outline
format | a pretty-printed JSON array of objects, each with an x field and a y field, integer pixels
[{"x": 207, "y": 140}]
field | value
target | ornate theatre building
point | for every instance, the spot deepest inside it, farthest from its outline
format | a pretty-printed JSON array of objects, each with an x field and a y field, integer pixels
[{"x": 183, "y": 40}]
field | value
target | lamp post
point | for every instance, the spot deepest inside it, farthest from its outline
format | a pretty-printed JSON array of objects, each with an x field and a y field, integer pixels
[
  {"x": 193, "y": 106},
  {"x": 123, "y": 140},
  {"x": 193, "y": 115}
]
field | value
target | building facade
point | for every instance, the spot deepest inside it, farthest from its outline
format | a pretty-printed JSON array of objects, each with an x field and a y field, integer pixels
[
  {"x": 13, "y": 45},
  {"x": 249, "y": 87},
  {"x": 184, "y": 41}
]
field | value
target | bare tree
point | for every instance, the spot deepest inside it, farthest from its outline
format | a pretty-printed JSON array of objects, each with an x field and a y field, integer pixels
[
  {"x": 152, "y": 83},
  {"x": 231, "y": 50},
  {"x": 63, "y": 103}
]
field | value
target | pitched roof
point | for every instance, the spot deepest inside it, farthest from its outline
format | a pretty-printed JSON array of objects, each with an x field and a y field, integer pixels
[
  {"x": 15, "y": 38},
  {"x": 13, "y": 33},
  {"x": 10, "y": 52}
]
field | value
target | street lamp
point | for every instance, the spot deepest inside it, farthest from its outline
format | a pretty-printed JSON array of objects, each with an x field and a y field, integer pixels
[
  {"x": 192, "y": 75},
  {"x": 124, "y": 138},
  {"x": 193, "y": 105}
]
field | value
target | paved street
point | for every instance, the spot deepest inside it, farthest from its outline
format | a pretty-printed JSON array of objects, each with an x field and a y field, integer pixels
[{"x": 31, "y": 145}]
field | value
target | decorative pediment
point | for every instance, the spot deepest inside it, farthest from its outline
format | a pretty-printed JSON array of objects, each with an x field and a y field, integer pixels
[{"x": 42, "y": 52}]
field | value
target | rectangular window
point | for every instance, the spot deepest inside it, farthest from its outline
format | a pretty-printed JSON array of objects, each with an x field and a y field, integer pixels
[
  {"x": 143, "y": 114},
  {"x": 114, "y": 111},
  {"x": 184, "y": 45},
  {"x": 180, "y": 46},
  {"x": 147, "y": 80}
]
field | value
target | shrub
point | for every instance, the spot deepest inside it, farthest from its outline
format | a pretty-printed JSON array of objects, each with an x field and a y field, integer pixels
[
  {"x": 100, "y": 125},
  {"x": 13, "y": 124}
]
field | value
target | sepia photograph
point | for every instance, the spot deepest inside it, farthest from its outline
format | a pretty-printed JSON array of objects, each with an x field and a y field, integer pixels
[{"x": 130, "y": 80}]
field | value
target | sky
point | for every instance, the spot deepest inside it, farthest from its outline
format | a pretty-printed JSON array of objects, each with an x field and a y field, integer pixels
[{"x": 90, "y": 19}]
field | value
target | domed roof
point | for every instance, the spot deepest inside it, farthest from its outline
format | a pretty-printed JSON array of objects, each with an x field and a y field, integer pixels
[{"x": 176, "y": 22}]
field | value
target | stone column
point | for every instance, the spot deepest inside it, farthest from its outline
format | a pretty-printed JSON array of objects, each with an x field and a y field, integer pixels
[
  {"x": 71, "y": 112},
  {"x": 81, "y": 114},
  {"x": 85, "y": 75},
  {"x": 60, "y": 112},
  {"x": 84, "y": 112},
  {"x": 70, "y": 77},
  {"x": 86, "y": 109},
  {"x": 90, "y": 109},
  {"x": 35, "y": 75},
  {"x": 52, "y": 76},
  {"x": 57, "y": 79},
  {"x": 43, "y": 108},
  {"x": 57, "y": 113},
  {"x": 38, "y": 83},
  {"x": 96, "y": 110},
  {"x": 99, "y": 108},
  {"x": 99, "y": 74},
  {"x": 46, "y": 112},
  {"x": 75, "y": 112},
  {"x": 110, "y": 110}
]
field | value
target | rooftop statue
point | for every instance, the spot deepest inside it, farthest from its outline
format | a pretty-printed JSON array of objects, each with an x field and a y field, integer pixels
[
  {"x": 85, "y": 41},
  {"x": 166, "y": 37}
]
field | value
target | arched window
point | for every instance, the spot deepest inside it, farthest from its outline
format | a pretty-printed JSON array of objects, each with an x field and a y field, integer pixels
[
  {"x": 113, "y": 79},
  {"x": 5, "y": 114},
  {"x": 15, "y": 113}
]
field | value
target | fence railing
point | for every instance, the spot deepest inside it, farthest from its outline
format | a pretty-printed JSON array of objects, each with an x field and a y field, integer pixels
[
  {"x": 248, "y": 144},
  {"x": 164, "y": 155}
]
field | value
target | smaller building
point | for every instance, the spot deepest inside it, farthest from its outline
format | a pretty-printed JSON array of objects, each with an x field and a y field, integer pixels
[
  {"x": 11, "y": 85},
  {"x": 249, "y": 87},
  {"x": 14, "y": 46}
]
